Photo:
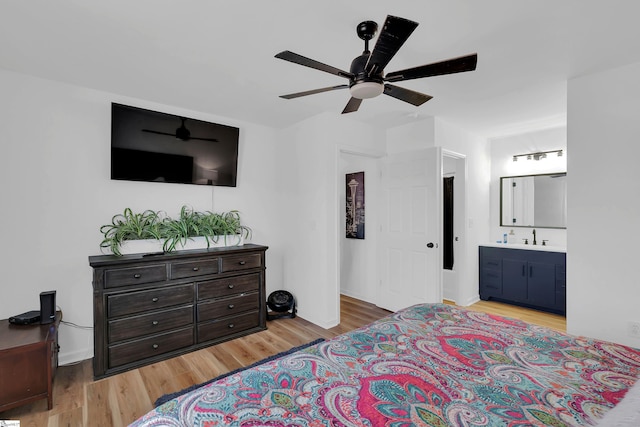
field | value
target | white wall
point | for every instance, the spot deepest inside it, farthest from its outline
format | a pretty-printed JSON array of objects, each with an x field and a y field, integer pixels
[
  {"x": 502, "y": 164},
  {"x": 309, "y": 181},
  {"x": 476, "y": 152},
  {"x": 56, "y": 193},
  {"x": 358, "y": 257},
  {"x": 410, "y": 137},
  {"x": 603, "y": 181}
]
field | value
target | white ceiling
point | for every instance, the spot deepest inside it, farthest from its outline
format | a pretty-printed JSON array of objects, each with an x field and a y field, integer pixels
[{"x": 217, "y": 56}]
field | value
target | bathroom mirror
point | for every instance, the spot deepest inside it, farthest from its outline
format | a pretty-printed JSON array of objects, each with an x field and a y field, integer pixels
[{"x": 534, "y": 201}]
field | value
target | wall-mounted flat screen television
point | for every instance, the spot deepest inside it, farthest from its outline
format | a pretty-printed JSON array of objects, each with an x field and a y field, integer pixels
[{"x": 158, "y": 147}]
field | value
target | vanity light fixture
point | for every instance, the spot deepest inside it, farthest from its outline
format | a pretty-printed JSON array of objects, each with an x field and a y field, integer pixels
[{"x": 537, "y": 156}]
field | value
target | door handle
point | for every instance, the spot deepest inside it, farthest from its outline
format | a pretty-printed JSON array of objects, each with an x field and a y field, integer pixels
[{"x": 431, "y": 245}]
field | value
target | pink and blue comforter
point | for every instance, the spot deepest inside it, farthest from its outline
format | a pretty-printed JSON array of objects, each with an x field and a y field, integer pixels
[{"x": 427, "y": 365}]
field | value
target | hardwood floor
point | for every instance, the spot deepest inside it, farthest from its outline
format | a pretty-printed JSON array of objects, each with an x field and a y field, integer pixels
[
  {"x": 121, "y": 399},
  {"x": 549, "y": 320}
]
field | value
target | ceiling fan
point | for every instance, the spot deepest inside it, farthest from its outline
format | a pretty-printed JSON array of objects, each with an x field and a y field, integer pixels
[
  {"x": 366, "y": 75},
  {"x": 181, "y": 133}
]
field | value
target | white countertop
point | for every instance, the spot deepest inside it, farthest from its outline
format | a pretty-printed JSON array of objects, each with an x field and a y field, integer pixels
[{"x": 528, "y": 247}]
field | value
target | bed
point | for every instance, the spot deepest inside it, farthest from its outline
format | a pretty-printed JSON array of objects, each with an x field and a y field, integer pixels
[{"x": 430, "y": 364}]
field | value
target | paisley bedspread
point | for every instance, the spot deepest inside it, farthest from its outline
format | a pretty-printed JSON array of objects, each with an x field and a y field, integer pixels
[{"x": 426, "y": 365}]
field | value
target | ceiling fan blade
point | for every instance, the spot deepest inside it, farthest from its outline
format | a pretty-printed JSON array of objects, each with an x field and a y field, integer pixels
[
  {"x": 314, "y": 91},
  {"x": 450, "y": 66},
  {"x": 158, "y": 132},
  {"x": 406, "y": 95},
  {"x": 352, "y": 105},
  {"x": 312, "y": 63},
  {"x": 176, "y": 136},
  {"x": 395, "y": 32},
  {"x": 204, "y": 139}
]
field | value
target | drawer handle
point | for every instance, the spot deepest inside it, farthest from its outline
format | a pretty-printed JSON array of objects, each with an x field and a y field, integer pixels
[
  {"x": 155, "y": 323},
  {"x": 154, "y": 299},
  {"x": 231, "y": 306},
  {"x": 230, "y": 286},
  {"x": 195, "y": 269},
  {"x": 155, "y": 346},
  {"x": 242, "y": 262},
  {"x": 136, "y": 276},
  {"x": 231, "y": 325}
]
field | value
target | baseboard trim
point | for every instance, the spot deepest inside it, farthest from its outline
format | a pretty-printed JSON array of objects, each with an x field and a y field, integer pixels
[
  {"x": 68, "y": 358},
  {"x": 357, "y": 296}
]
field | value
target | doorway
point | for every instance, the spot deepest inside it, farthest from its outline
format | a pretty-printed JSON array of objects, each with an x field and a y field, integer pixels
[
  {"x": 357, "y": 256},
  {"x": 454, "y": 167}
]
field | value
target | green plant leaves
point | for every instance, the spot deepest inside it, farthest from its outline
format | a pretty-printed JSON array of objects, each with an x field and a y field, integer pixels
[{"x": 157, "y": 225}]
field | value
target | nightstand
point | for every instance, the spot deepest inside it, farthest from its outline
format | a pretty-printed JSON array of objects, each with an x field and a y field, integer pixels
[{"x": 28, "y": 361}]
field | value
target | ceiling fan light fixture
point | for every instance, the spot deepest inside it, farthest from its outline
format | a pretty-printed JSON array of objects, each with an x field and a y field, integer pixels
[{"x": 366, "y": 90}]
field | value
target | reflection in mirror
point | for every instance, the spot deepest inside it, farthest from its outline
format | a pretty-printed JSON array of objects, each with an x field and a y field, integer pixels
[{"x": 534, "y": 201}]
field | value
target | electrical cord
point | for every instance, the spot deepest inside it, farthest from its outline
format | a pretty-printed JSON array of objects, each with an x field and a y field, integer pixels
[{"x": 73, "y": 325}]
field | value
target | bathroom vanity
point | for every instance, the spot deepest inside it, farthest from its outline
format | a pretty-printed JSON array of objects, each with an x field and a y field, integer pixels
[{"x": 527, "y": 275}]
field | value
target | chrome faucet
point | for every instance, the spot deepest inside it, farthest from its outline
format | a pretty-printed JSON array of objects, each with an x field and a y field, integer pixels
[{"x": 534, "y": 236}]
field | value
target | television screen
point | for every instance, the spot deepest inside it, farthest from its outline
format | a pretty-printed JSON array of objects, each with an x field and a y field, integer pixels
[{"x": 158, "y": 147}]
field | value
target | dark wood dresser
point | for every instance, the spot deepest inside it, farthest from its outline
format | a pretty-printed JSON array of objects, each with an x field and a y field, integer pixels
[
  {"x": 28, "y": 362},
  {"x": 148, "y": 308}
]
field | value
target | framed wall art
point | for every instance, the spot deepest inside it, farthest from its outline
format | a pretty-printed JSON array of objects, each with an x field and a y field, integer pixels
[{"x": 355, "y": 205}]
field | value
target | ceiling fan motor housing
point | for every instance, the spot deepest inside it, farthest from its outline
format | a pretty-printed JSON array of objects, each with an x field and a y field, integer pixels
[
  {"x": 182, "y": 132},
  {"x": 363, "y": 85}
]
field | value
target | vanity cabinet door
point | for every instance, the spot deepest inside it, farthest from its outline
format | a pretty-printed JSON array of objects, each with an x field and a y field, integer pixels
[
  {"x": 561, "y": 287},
  {"x": 542, "y": 284},
  {"x": 514, "y": 275}
]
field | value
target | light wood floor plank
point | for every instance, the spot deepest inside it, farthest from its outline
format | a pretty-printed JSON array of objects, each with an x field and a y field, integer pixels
[{"x": 120, "y": 399}]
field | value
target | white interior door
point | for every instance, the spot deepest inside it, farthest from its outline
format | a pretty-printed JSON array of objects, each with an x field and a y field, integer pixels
[{"x": 411, "y": 213}]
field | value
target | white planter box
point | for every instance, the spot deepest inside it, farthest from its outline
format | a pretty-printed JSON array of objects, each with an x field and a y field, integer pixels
[
  {"x": 200, "y": 242},
  {"x": 129, "y": 247}
]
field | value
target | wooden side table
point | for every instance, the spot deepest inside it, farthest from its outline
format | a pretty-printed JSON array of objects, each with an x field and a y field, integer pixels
[{"x": 28, "y": 361}]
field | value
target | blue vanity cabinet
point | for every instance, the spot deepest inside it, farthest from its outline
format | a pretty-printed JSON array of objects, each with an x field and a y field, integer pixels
[{"x": 532, "y": 278}]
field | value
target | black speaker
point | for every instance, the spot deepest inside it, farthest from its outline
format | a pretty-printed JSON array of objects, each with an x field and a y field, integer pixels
[{"x": 47, "y": 307}]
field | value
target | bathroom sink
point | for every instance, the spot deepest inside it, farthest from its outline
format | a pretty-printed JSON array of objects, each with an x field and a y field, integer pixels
[{"x": 528, "y": 247}]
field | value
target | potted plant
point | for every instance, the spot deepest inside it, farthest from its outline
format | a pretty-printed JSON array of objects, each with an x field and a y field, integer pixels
[
  {"x": 130, "y": 226},
  {"x": 155, "y": 232},
  {"x": 213, "y": 229}
]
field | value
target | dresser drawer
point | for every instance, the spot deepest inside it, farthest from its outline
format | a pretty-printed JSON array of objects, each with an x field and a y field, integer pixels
[
  {"x": 227, "y": 326},
  {"x": 121, "y": 354},
  {"x": 230, "y": 286},
  {"x": 148, "y": 324},
  {"x": 181, "y": 270},
  {"x": 241, "y": 262},
  {"x": 117, "y": 277},
  {"x": 153, "y": 299},
  {"x": 228, "y": 306}
]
